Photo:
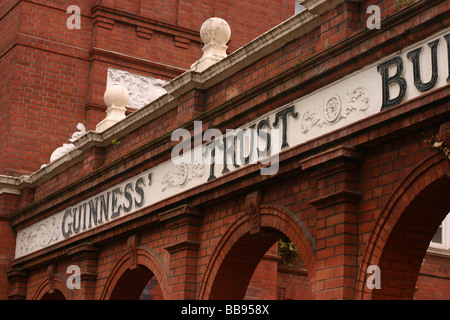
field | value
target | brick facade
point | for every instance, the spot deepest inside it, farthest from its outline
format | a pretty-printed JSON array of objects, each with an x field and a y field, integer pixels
[{"x": 370, "y": 193}]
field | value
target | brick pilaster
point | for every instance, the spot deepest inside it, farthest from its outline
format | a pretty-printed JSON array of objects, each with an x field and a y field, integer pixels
[
  {"x": 8, "y": 203},
  {"x": 18, "y": 284},
  {"x": 184, "y": 223},
  {"x": 336, "y": 172},
  {"x": 85, "y": 256}
]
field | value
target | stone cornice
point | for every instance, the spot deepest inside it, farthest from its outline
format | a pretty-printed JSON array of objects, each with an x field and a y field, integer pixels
[{"x": 9, "y": 185}]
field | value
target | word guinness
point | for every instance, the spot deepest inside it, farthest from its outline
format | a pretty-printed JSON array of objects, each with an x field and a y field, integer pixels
[{"x": 106, "y": 206}]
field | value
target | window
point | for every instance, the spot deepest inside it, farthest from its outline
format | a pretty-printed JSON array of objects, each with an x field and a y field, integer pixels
[
  {"x": 441, "y": 239},
  {"x": 298, "y": 7}
]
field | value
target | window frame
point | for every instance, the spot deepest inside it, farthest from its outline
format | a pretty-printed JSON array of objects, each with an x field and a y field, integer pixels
[{"x": 444, "y": 247}]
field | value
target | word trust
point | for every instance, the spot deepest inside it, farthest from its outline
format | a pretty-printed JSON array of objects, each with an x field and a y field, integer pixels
[{"x": 261, "y": 141}]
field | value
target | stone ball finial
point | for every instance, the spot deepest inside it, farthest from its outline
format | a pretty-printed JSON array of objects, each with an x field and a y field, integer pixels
[
  {"x": 215, "y": 31},
  {"x": 116, "y": 96}
]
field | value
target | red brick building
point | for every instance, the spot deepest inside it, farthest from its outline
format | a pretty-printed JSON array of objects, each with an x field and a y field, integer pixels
[{"x": 353, "y": 121}]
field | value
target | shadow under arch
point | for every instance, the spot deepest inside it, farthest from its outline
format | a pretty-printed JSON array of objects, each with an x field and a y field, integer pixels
[
  {"x": 222, "y": 282},
  {"x": 60, "y": 290},
  {"x": 148, "y": 264},
  {"x": 404, "y": 229}
]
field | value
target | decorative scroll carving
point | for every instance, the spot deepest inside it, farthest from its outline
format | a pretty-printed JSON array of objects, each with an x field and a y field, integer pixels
[
  {"x": 335, "y": 108},
  {"x": 40, "y": 236},
  {"x": 142, "y": 90},
  {"x": 51, "y": 278},
  {"x": 132, "y": 244},
  {"x": 67, "y": 147},
  {"x": 182, "y": 175},
  {"x": 253, "y": 208}
]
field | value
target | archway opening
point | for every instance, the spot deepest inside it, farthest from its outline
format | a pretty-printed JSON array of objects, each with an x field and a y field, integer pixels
[
  {"x": 280, "y": 275},
  {"x": 433, "y": 282},
  {"x": 55, "y": 295},
  {"x": 152, "y": 291},
  {"x": 408, "y": 243},
  {"x": 253, "y": 269},
  {"x": 137, "y": 284}
]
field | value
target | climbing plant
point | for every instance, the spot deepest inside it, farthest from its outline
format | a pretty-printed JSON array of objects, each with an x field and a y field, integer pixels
[{"x": 288, "y": 252}]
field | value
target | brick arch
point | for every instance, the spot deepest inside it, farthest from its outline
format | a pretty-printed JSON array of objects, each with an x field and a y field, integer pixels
[
  {"x": 404, "y": 229},
  {"x": 148, "y": 264},
  {"x": 60, "y": 286},
  {"x": 237, "y": 243}
]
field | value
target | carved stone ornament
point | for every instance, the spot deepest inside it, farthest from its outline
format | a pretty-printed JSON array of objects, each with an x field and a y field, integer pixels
[
  {"x": 253, "y": 208},
  {"x": 444, "y": 132},
  {"x": 281, "y": 293},
  {"x": 141, "y": 89},
  {"x": 132, "y": 244},
  {"x": 182, "y": 175},
  {"x": 335, "y": 109},
  {"x": 40, "y": 236},
  {"x": 438, "y": 138},
  {"x": 67, "y": 147},
  {"x": 51, "y": 278},
  {"x": 215, "y": 33}
]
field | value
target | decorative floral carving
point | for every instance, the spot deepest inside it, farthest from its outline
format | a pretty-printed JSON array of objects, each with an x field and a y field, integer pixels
[
  {"x": 142, "y": 90},
  {"x": 332, "y": 109},
  {"x": 40, "y": 236},
  {"x": 335, "y": 108},
  {"x": 182, "y": 175}
]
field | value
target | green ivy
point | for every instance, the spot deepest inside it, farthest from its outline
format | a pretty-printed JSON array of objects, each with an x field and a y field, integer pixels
[
  {"x": 402, "y": 3},
  {"x": 115, "y": 142},
  {"x": 288, "y": 252}
]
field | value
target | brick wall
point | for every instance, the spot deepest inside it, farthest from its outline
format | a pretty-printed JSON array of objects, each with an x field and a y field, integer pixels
[
  {"x": 263, "y": 284},
  {"x": 433, "y": 282},
  {"x": 293, "y": 283},
  {"x": 337, "y": 187},
  {"x": 53, "y": 77}
]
